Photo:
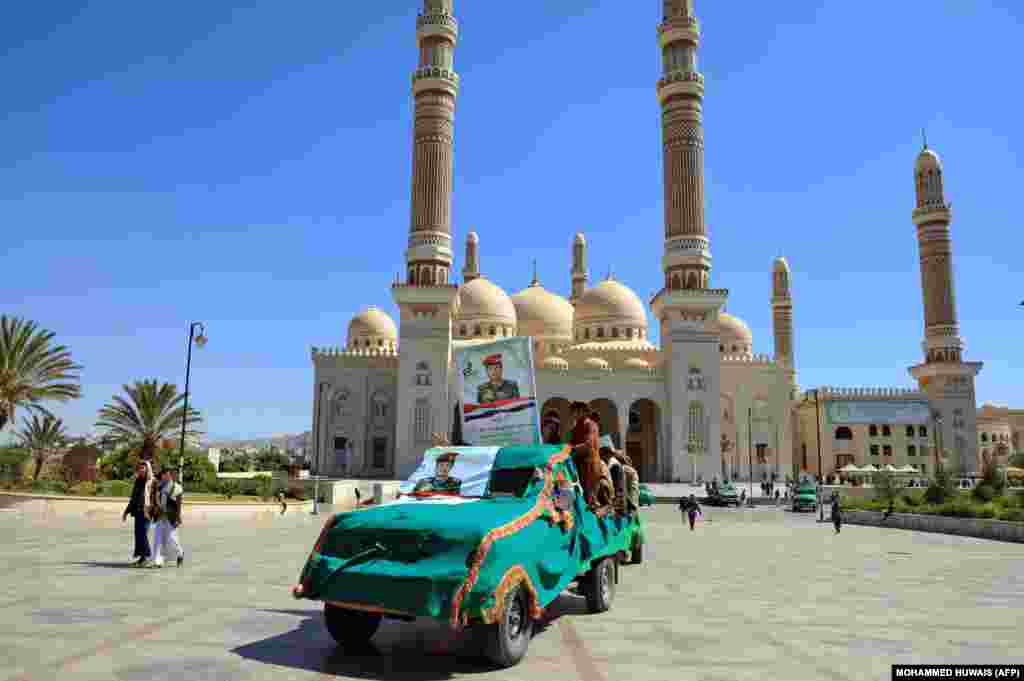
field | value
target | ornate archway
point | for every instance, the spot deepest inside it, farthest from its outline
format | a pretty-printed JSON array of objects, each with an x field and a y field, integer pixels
[{"x": 642, "y": 438}]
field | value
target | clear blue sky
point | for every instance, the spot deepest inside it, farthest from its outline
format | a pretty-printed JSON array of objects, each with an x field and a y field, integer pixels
[{"x": 250, "y": 167}]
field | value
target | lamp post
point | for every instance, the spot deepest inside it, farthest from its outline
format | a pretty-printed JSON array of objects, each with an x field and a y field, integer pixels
[
  {"x": 316, "y": 452},
  {"x": 817, "y": 438},
  {"x": 200, "y": 340},
  {"x": 750, "y": 452}
]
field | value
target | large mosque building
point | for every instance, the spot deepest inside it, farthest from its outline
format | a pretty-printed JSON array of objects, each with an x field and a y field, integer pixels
[{"x": 702, "y": 405}]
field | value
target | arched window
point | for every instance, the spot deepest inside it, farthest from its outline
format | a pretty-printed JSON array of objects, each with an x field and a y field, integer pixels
[
  {"x": 586, "y": 333},
  {"x": 477, "y": 330},
  {"x": 412, "y": 276},
  {"x": 721, "y": 348},
  {"x": 600, "y": 332},
  {"x": 380, "y": 342},
  {"x": 735, "y": 349},
  {"x": 984, "y": 437},
  {"x": 873, "y": 430},
  {"x": 675, "y": 282},
  {"x": 874, "y": 450},
  {"x": 691, "y": 280},
  {"x": 421, "y": 419},
  {"x": 462, "y": 330},
  {"x": 886, "y": 431},
  {"x": 844, "y": 433},
  {"x": 697, "y": 425},
  {"x": 922, "y": 431},
  {"x": 910, "y": 431},
  {"x": 615, "y": 332},
  {"x": 492, "y": 331},
  {"x": 911, "y": 450},
  {"x": 629, "y": 333},
  {"x": 887, "y": 450}
]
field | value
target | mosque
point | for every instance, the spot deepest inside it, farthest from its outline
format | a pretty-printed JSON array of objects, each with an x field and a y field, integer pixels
[{"x": 704, "y": 404}]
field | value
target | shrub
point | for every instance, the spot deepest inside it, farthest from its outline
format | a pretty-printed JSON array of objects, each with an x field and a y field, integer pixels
[
  {"x": 230, "y": 488},
  {"x": 116, "y": 488},
  {"x": 83, "y": 489},
  {"x": 911, "y": 500},
  {"x": 984, "y": 493},
  {"x": 1012, "y": 514},
  {"x": 263, "y": 486},
  {"x": 987, "y": 511}
]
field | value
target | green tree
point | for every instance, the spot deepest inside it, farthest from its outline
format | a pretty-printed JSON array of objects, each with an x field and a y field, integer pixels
[
  {"x": 197, "y": 469},
  {"x": 239, "y": 463},
  {"x": 121, "y": 463},
  {"x": 271, "y": 460},
  {"x": 32, "y": 370},
  {"x": 42, "y": 437},
  {"x": 941, "y": 488},
  {"x": 1017, "y": 460},
  {"x": 885, "y": 487},
  {"x": 12, "y": 458},
  {"x": 153, "y": 412}
]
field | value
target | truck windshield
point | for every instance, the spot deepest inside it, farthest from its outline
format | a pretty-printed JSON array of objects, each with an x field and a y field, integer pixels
[{"x": 510, "y": 482}]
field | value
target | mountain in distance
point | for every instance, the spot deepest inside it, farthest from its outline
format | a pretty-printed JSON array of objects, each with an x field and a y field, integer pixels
[{"x": 283, "y": 441}]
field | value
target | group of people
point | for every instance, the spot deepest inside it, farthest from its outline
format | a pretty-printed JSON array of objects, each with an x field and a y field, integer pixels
[
  {"x": 156, "y": 500},
  {"x": 609, "y": 480}
]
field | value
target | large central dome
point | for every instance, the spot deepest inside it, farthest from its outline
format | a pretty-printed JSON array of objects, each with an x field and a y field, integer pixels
[
  {"x": 736, "y": 337},
  {"x": 543, "y": 314},
  {"x": 483, "y": 306}
]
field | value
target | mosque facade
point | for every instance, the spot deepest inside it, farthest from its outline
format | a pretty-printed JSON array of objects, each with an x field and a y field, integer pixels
[{"x": 700, "y": 406}]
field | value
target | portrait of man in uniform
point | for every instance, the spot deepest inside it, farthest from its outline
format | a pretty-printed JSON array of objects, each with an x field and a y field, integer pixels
[
  {"x": 496, "y": 388},
  {"x": 441, "y": 482}
]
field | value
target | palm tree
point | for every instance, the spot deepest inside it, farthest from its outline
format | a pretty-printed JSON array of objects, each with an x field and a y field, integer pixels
[
  {"x": 152, "y": 413},
  {"x": 32, "y": 370},
  {"x": 42, "y": 437}
]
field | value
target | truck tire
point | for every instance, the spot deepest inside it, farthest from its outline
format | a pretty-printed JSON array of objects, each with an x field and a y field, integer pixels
[
  {"x": 505, "y": 642},
  {"x": 600, "y": 585},
  {"x": 350, "y": 627}
]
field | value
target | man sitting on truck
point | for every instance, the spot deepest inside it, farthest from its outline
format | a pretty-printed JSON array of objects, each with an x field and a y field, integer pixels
[{"x": 597, "y": 488}]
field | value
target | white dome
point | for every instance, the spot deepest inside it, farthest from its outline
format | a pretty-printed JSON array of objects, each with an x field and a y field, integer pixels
[
  {"x": 542, "y": 314},
  {"x": 733, "y": 331},
  {"x": 370, "y": 326},
  {"x": 610, "y": 304},
  {"x": 481, "y": 302}
]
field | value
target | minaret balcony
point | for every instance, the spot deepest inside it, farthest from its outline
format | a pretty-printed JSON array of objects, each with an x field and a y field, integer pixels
[
  {"x": 437, "y": 25},
  {"x": 679, "y": 31},
  {"x": 435, "y": 78},
  {"x": 936, "y": 212},
  {"x": 690, "y": 83}
]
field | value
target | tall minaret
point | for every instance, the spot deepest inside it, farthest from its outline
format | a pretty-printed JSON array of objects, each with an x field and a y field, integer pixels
[
  {"x": 687, "y": 260},
  {"x": 686, "y": 308},
  {"x": 782, "y": 317},
  {"x": 427, "y": 300},
  {"x": 579, "y": 267},
  {"x": 471, "y": 270},
  {"x": 944, "y": 376}
]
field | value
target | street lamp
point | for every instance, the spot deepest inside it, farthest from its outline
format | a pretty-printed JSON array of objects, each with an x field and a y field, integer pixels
[
  {"x": 316, "y": 454},
  {"x": 200, "y": 340}
]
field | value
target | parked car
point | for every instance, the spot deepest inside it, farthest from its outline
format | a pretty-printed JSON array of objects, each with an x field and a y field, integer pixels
[
  {"x": 724, "y": 495},
  {"x": 491, "y": 564},
  {"x": 805, "y": 497},
  {"x": 646, "y": 496}
]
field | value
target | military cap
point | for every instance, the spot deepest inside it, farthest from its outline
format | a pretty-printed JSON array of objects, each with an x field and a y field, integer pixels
[
  {"x": 448, "y": 457},
  {"x": 490, "y": 360},
  {"x": 576, "y": 406}
]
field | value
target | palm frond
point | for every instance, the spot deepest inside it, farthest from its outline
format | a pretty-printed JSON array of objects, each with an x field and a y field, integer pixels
[
  {"x": 32, "y": 369},
  {"x": 149, "y": 414}
]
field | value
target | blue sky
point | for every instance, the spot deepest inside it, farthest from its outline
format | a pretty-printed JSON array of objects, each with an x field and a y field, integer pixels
[{"x": 250, "y": 167}]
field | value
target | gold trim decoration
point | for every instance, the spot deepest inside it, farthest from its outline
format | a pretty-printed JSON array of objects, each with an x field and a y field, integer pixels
[
  {"x": 515, "y": 576},
  {"x": 458, "y": 618}
]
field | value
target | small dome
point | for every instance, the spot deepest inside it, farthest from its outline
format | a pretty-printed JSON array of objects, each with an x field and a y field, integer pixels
[
  {"x": 780, "y": 265},
  {"x": 928, "y": 160},
  {"x": 373, "y": 325},
  {"x": 482, "y": 301},
  {"x": 542, "y": 314},
  {"x": 734, "y": 331},
  {"x": 637, "y": 363},
  {"x": 610, "y": 303},
  {"x": 554, "y": 362},
  {"x": 595, "y": 363}
]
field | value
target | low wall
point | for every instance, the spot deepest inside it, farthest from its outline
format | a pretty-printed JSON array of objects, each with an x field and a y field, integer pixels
[
  {"x": 342, "y": 493},
  {"x": 850, "y": 492},
  {"x": 981, "y": 528},
  {"x": 112, "y": 508}
]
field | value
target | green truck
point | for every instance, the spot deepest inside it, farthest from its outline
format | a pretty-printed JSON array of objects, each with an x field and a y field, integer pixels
[
  {"x": 724, "y": 494},
  {"x": 491, "y": 564},
  {"x": 805, "y": 497}
]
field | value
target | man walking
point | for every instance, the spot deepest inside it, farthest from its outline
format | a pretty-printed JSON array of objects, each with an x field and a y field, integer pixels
[
  {"x": 139, "y": 508},
  {"x": 691, "y": 508},
  {"x": 169, "y": 497},
  {"x": 837, "y": 519}
]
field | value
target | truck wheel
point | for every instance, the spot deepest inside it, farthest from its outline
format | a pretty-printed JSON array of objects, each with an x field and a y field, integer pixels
[
  {"x": 600, "y": 586},
  {"x": 505, "y": 643},
  {"x": 350, "y": 627},
  {"x": 636, "y": 556}
]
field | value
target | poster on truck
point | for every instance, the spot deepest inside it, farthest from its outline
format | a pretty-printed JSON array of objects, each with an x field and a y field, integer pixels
[
  {"x": 498, "y": 393},
  {"x": 451, "y": 471}
]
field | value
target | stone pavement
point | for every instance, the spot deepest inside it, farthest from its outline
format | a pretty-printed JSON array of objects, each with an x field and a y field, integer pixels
[{"x": 752, "y": 594}]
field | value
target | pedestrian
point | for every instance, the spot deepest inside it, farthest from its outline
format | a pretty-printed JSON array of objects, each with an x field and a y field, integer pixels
[
  {"x": 139, "y": 508},
  {"x": 692, "y": 510},
  {"x": 837, "y": 518},
  {"x": 776, "y": 497},
  {"x": 169, "y": 498},
  {"x": 284, "y": 504},
  {"x": 743, "y": 496}
]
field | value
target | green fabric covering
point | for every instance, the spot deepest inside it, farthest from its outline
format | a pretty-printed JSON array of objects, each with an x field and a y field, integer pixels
[{"x": 413, "y": 556}]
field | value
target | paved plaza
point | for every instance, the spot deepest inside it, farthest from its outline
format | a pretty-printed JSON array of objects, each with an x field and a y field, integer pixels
[{"x": 752, "y": 594}]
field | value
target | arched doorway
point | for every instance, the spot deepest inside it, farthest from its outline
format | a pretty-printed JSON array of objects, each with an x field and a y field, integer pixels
[
  {"x": 609, "y": 414},
  {"x": 642, "y": 438},
  {"x": 560, "y": 406}
]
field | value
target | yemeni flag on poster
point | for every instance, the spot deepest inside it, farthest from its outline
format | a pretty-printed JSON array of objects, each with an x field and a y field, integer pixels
[{"x": 498, "y": 393}]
